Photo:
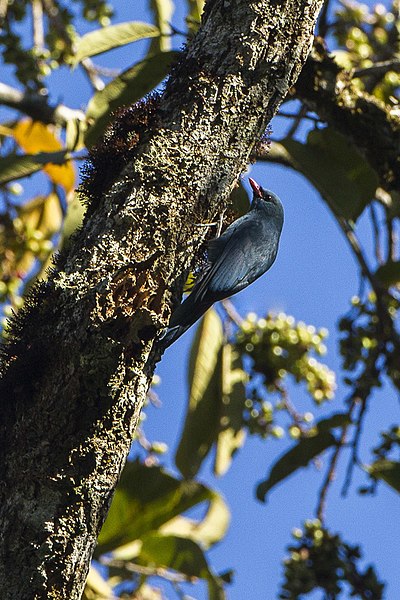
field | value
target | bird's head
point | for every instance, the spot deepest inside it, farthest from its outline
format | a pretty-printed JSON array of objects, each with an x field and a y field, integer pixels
[
  {"x": 260, "y": 193},
  {"x": 267, "y": 199}
]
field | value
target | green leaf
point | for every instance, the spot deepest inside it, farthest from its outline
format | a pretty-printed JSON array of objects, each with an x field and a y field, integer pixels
[
  {"x": 16, "y": 166},
  {"x": 240, "y": 200},
  {"x": 232, "y": 435},
  {"x": 334, "y": 165},
  {"x": 335, "y": 420},
  {"x": 302, "y": 453},
  {"x": 388, "y": 471},
  {"x": 195, "y": 10},
  {"x": 173, "y": 552},
  {"x": 127, "y": 88},
  {"x": 182, "y": 555},
  {"x": 107, "y": 38},
  {"x": 389, "y": 274},
  {"x": 202, "y": 418},
  {"x": 206, "y": 532},
  {"x": 145, "y": 499},
  {"x": 73, "y": 218},
  {"x": 96, "y": 587},
  {"x": 163, "y": 11}
]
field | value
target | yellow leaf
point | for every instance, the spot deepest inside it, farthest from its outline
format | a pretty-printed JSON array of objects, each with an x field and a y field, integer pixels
[
  {"x": 52, "y": 217},
  {"x": 24, "y": 263},
  {"x": 35, "y": 137},
  {"x": 232, "y": 435},
  {"x": 30, "y": 213},
  {"x": 4, "y": 130},
  {"x": 207, "y": 531},
  {"x": 202, "y": 417},
  {"x": 63, "y": 175},
  {"x": 96, "y": 587},
  {"x": 43, "y": 213}
]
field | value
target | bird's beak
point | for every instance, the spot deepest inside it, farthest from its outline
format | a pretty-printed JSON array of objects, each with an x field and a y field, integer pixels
[{"x": 256, "y": 187}]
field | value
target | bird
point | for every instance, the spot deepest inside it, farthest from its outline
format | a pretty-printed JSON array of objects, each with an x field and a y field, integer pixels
[{"x": 245, "y": 251}]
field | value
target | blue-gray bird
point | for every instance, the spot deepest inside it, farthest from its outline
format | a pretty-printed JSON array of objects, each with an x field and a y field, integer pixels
[{"x": 245, "y": 251}]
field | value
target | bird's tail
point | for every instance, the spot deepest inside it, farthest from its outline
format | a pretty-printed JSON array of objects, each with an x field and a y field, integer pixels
[
  {"x": 185, "y": 315},
  {"x": 170, "y": 336}
]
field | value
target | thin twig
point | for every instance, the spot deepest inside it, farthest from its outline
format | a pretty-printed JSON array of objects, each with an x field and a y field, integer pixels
[
  {"x": 323, "y": 20},
  {"x": 232, "y": 312},
  {"x": 330, "y": 475},
  {"x": 355, "y": 246},
  {"x": 148, "y": 571},
  {"x": 360, "y": 396},
  {"x": 106, "y": 71},
  {"x": 37, "y": 24},
  {"x": 53, "y": 14},
  {"x": 299, "y": 117},
  {"x": 142, "y": 440},
  {"x": 220, "y": 223},
  {"x": 93, "y": 75},
  {"x": 153, "y": 398},
  {"x": 354, "y": 445},
  {"x": 282, "y": 113},
  {"x": 377, "y": 233},
  {"x": 37, "y": 106},
  {"x": 331, "y": 472},
  {"x": 385, "y": 321},
  {"x": 291, "y": 409},
  {"x": 391, "y": 240},
  {"x": 379, "y": 69},
  {"x": 3, "y": 11}
]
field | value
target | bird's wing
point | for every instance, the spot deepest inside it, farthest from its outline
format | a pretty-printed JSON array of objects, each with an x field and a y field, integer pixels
[{"x": 230, "y": 264}]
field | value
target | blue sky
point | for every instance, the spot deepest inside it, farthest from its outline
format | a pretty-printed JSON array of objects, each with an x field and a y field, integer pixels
[{"x": 313, "y": 279}]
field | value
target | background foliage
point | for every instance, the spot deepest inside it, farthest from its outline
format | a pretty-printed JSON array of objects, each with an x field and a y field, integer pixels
[{"x": 244, "y": 369}]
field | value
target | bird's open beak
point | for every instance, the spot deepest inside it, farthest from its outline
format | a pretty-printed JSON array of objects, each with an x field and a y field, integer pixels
[{"x": 256, "y": 187}]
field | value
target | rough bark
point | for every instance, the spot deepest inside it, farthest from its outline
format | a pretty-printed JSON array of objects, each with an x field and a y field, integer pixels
[{"x": 77, "y": 370}]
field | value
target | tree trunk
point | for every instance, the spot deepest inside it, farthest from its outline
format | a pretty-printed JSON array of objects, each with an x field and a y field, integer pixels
[{"x": 81, "y": 356}]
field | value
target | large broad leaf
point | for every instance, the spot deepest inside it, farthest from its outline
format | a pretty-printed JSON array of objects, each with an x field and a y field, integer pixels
[
  {"x": 107, "y": 38},
  {"x": 195, "y": 9},
  {"x": 232, "y": 435},
  {"x": 163, "y": 11},
  {"x": 16, "y": 166},
  {"x": 127, "y": 88},
  {"x": 36, "y": 137},
  {"x": 73, "y": 218},
  {"x": 389, "y": 274},
  {"x": 145, "y": 499},
  {"x": 182, "y": 555},
  {"x": 205, "y": 532},
  {"x": 96, "y": 587},
  {"x": 202, "y": 418},
  {"x": 41, "y": 218},
  {"x": 388, "y": 471},
  {"x": 302, "y": 453},
  {"x": 43, "y": 213},
  {"x": 334, "y": 165}
]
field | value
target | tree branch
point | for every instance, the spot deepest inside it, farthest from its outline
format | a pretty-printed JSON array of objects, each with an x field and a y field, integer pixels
[
  {"x": 81, "y": 357},
  {"x": 379, "y": 69},
  {"x": 37, "y": 106},
  {"x": 328, "y": 90}
]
